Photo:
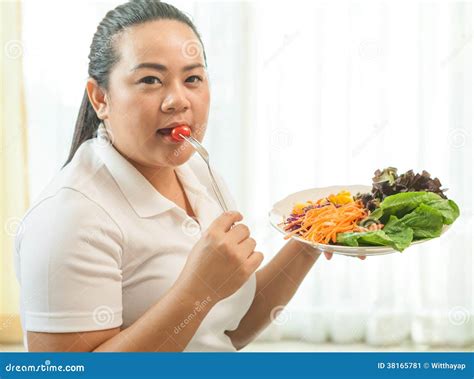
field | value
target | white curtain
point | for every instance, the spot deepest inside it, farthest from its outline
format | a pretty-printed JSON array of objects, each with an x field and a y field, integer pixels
[{"x": 310, "y": 94}]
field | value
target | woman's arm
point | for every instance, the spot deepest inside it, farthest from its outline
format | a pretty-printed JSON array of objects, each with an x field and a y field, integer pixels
[
  {"x": 277, "y": 282},
  {"x": 218, "y": 265},
  {"x": 167, "y": 326},
  {"x": 161, "y": 328}
]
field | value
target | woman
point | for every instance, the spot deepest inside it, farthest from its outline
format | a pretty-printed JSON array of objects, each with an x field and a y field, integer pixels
[{"x": 126, "y": 249}]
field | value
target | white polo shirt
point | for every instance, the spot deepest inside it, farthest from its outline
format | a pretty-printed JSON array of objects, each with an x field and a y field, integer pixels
[{"x": 101, "y": 246}]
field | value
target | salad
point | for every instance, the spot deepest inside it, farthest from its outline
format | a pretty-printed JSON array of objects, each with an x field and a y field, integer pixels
[{"x": 399, "y": 209}]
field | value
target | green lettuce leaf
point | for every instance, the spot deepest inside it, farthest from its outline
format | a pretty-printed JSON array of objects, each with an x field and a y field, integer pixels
[
  {"x": 395, "y": 234},
  {"x": 405, "y": 202},
  {"x": 425, "y": 221},
  {"x": 377, "y": 238},
  {"x": 407, "y": 216},
  {"x": 448, "y": 208},
  {"x": 399, "y": 232}
]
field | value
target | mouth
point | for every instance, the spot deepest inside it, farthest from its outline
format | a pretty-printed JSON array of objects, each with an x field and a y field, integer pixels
[
  {"x": 168, "y": 128},
  {"x": 165, "y": 132}
]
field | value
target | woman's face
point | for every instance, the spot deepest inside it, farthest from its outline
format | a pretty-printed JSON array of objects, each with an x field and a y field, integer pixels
[{"x": 160, "y": 80}]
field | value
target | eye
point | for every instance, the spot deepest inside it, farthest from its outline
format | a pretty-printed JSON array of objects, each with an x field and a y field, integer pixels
[
  {"x": 194, "y": 79},
  {"x": 150, "y": 80}
]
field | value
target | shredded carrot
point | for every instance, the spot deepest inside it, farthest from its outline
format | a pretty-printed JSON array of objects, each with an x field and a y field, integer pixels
[{"x": 321, "y": 225}]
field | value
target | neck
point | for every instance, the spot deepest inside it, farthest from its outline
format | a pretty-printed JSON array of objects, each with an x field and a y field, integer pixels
[{"x": 163, "y": 179}]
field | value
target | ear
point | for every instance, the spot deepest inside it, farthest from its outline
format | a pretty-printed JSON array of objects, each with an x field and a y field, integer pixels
[{"x": 98, "y": 98}]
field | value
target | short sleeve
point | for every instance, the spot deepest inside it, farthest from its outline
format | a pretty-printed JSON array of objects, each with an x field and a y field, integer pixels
[{"x": 69, "y": 266}]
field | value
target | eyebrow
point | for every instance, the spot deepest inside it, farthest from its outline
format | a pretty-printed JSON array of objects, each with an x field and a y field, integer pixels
[{"x": 161, "y": 67}]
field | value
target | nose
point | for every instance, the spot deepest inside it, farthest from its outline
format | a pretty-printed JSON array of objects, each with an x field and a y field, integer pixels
[{"x": 175, "y": 100}]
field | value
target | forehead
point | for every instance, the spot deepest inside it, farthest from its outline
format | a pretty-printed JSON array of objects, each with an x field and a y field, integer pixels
[{"x": 163, "y": 41}]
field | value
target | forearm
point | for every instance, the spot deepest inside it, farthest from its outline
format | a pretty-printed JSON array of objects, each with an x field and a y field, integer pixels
[
  {"x": 277, "y": 282},
  {"x": 163, "y": 326}
]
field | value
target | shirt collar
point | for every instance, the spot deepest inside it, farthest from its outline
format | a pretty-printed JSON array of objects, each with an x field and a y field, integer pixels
[
  {"x": 141, "y": 195},
  {"x": 203, "y": 204}
]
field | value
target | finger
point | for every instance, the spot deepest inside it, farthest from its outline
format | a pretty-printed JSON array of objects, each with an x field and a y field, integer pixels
[
  {"x": 239, "y": 233},
  {"x": 328, "y": 255},
  {"x": 248, "y": 246},
  {"x": 255, "y": 260},
  {"x": 362, "y": 257},
  {"x": 226, "y": 220}
]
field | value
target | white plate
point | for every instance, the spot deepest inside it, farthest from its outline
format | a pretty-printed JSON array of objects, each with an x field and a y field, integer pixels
[{"x": 282, "y": 209}]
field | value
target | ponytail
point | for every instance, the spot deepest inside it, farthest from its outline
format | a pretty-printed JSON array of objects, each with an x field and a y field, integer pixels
[{"x": 86, "y": 126}]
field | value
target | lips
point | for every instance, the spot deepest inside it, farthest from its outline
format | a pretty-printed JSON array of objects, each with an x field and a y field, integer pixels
[
  {"x": 168, "y": 128},
  {"x": 164, "y": 131}
]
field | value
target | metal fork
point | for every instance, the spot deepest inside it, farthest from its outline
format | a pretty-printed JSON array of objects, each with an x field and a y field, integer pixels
[{"x": 205, "y": 156}]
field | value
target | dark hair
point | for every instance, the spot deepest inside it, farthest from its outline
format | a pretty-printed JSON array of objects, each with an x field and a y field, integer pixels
[{"x": 103, "y": 55}]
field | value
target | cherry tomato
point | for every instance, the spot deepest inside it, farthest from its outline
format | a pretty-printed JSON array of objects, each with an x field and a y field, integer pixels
[{"x": 181, "y": 129}]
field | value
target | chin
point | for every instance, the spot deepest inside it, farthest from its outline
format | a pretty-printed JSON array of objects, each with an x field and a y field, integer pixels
[{"x": 179, "y": 156}]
